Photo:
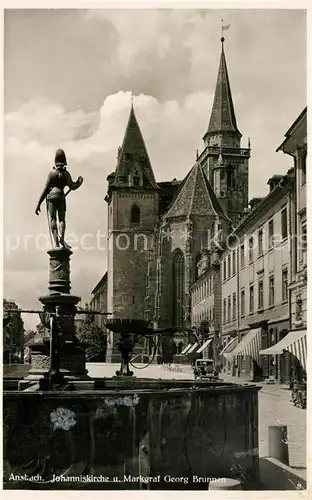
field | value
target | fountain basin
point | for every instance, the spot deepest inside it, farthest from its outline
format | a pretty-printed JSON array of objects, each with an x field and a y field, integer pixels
[{"x": 127, "y": 429}]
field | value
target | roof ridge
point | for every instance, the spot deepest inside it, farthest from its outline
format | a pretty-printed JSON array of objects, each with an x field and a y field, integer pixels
[
  {"x": 195, "y": 167},
  {"x": 134, "y": 144},
  {"x": 195, "y": 196},
  {"x": 180, "y": 187},
  {"x": 205, "y": 184},
  {"x": 214, "y": 200}
]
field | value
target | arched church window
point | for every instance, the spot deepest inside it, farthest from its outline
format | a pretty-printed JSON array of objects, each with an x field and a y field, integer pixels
[
  {"x": 178, "y": 285},
  {"x": 135, "y": 214}
]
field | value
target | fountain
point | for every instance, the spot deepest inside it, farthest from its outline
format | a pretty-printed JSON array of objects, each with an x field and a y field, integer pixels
[
  {"x": 64, "y": 430},
  {"x": 59, "y": 356},
  {"x": 130, "y": 432},
  {"x": 129, "y": 331}
]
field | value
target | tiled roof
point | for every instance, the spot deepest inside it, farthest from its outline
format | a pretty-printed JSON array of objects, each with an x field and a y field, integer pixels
[
  {"x": 133, "y": 153},
  {"x": 222, "y": 117},
  {"x": 195, "y": 197}
]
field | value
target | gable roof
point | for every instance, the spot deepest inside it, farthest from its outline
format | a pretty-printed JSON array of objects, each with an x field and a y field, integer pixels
[
  {"x": 133, "y": 153},
  {"x": 195, "y": 196}
]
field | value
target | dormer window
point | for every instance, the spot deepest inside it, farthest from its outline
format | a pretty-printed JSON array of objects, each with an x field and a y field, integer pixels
[
  {"x": 135, "y": 214},
  {"x": 127, "y": 156},
  {"x": 142, "y": 159},
  {"x": 122, "y": 179}
]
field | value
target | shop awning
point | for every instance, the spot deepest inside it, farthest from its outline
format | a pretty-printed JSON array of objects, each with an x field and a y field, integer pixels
[
  {"x": 186, "y": 349},
  {"x": 250, "y": 345},
  {"x": 206, "y": 344},
  {"x": 192, "y": 348},
  {"x": 294, "y": 342},
  {"x": 227, "y": 350}
]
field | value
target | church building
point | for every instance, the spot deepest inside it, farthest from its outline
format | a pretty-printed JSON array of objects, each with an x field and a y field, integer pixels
[{"x": 162, "y": 236}]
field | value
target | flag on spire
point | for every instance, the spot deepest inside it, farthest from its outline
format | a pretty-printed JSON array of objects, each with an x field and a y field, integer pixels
[{"x": 225, "y": 27}]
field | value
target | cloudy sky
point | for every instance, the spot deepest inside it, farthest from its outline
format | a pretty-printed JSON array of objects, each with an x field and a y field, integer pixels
[{"x": 68, "y": 79}]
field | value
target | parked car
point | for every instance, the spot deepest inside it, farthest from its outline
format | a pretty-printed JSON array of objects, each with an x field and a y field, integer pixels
[{"x": 205, "y": 369}]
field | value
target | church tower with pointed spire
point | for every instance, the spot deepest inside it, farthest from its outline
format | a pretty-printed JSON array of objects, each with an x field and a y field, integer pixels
[
  {"x": 132, "y": 199},
  {"x": 224, "y": 161}
]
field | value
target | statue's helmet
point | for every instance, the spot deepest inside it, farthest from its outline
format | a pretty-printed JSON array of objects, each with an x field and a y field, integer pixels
[{"x": 60, "y": 158}]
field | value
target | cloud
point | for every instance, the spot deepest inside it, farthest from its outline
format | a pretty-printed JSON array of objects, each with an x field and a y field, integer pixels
[
  {"x": 165, "y": 53},
  {"x": 172, "y": 132},
  {"x": 31, "y": 135}
]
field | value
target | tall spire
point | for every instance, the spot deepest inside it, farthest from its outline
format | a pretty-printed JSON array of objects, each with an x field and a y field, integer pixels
[
  {"x": 222, "y": 117},
  {"x": 133, "y": 158}
]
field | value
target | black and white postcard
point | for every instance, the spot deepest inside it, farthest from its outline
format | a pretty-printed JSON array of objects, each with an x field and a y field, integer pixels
[{"x": 155, "y": 290}]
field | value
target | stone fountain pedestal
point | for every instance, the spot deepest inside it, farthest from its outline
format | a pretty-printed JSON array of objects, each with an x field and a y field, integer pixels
[
  {"x": 128, "y": 331},
  {"x": 61, "y": 302}
]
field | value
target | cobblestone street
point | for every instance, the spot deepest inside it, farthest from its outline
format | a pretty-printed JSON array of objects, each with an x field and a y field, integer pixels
[{"x": 275, "y": 407}]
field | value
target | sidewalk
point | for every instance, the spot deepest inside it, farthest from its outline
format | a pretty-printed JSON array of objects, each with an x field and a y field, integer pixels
[
  {"x": 274, "y": 389},
  {"x": 275, "y": 408}
]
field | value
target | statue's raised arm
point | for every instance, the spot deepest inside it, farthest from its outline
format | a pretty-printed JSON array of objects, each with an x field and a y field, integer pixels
[{"x": 58, "y": 179}]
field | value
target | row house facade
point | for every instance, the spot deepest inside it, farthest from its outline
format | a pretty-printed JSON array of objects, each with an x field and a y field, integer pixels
[
  {"x": 264, "y": 276},
  {"x": 206, "y": 302},
  {"x": 295, "y": 343},
  {"x": 255, "y": 271},
  {"x": 295, "y": 145}
]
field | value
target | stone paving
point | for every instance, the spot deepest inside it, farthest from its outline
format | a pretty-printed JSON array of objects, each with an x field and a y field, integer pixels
[{"x": 275, "y": 407}]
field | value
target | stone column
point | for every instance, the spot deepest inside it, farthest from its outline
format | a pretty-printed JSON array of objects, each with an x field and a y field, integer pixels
[
  {"x": 59, "y": 280},
  {"x": 62, "y": 303}
]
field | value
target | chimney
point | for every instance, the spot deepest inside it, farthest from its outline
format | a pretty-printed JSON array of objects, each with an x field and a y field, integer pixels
[
  {"x": 254, "y": 202},
  {"x": 274, "y": 181}
]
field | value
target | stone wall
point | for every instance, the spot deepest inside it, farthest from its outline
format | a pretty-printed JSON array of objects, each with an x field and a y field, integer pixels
[
  {"x": 128, "y": 246},
  {"x": 196, "y": 429}
]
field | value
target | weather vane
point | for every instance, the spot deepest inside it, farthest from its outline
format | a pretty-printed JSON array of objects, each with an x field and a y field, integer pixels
[{"x": 224, "y": 27}]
